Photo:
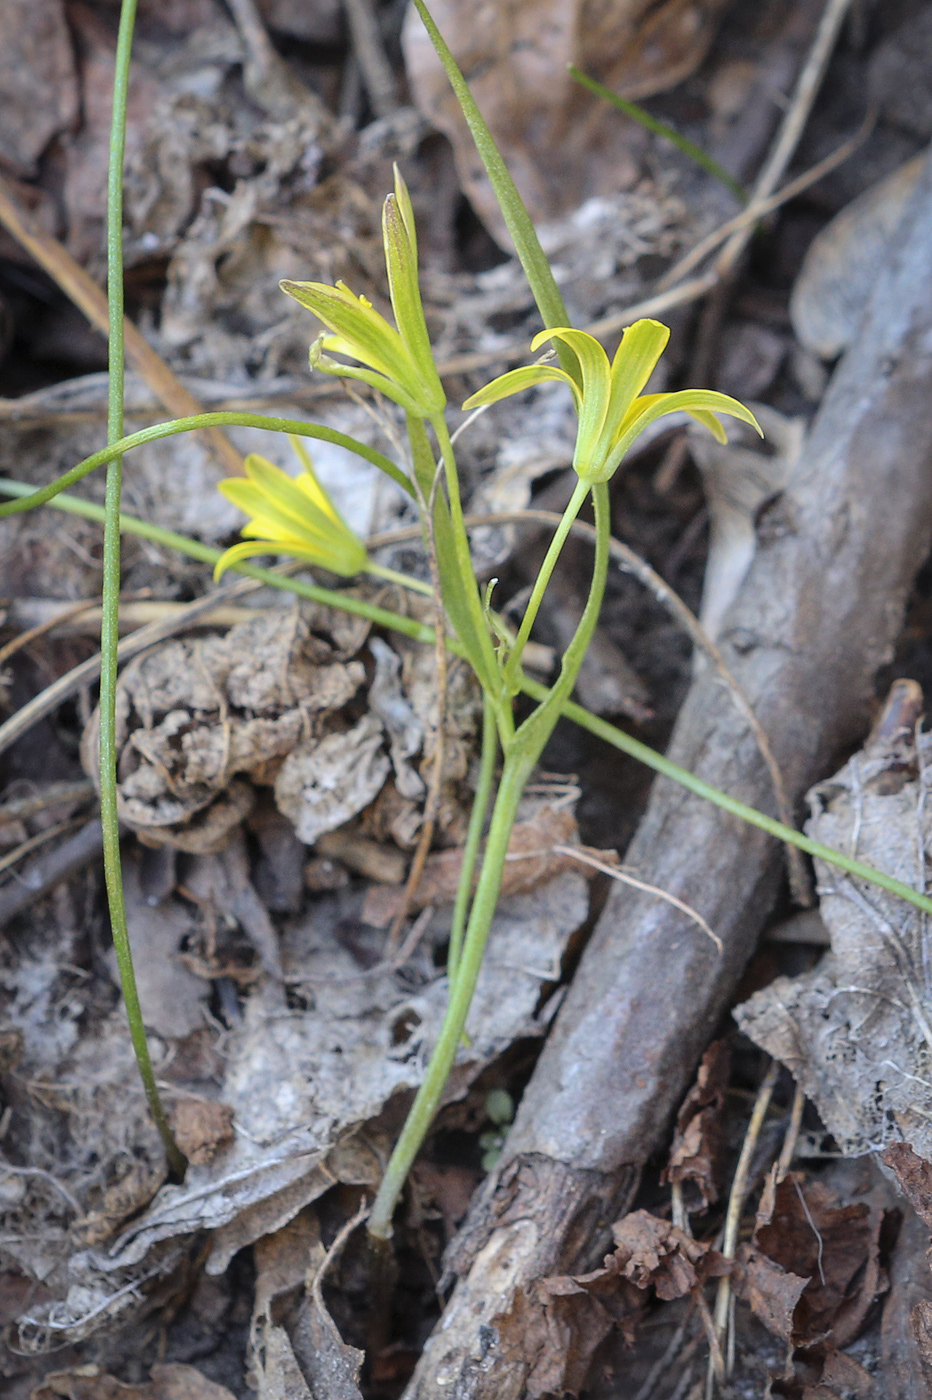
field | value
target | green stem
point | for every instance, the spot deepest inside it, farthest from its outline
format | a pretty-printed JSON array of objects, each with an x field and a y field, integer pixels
[
  {"x": 661, "y": 128},
  {"x": 513, "y": 665},
  {"x": 477, "y": 817},
  {"x": 295, "y": 426},
  {"x": 521, "y": 755},
  {"x": 416, "y": 585},
  {"x": 467, "y": 573},
  {"x": 427, "y": 1099},
  {"x": 420, "y": 632},
  {"x": 206, "y": 554},
  {"x": 110, "y": 598}
]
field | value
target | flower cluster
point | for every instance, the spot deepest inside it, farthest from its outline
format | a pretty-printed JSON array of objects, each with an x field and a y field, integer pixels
[{"x": 611, "y": 408}]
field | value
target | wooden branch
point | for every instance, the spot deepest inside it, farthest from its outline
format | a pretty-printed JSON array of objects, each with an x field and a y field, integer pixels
[{"x": 816, "y": 617}]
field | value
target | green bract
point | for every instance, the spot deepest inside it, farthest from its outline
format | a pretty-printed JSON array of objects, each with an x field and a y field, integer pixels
[
  {"x": 398, "y": 362},
  {"x": 612, "y": 410},
  {"x": 290, "y": 515}
]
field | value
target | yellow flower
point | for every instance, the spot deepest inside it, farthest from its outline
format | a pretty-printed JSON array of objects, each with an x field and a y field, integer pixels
[
  {"x": 290, "y": 515},
  {"x": 398, "y": 363},
  {"x": 612, "y": 409}
]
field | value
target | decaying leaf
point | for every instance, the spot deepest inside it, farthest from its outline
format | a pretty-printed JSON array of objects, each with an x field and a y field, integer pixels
[
  {"x": 202, "y": 1128},
  {"x": 695, "y": 1155},
  {"x": 531, "y": 859},
  {"x": 302, "y": 1081},
  {"x": 171, "y": 1381},
  {"x": 201, "y": 721},
  {"x": 653, "y": 1253},
  {"x": 855, "y": 1032},
  {"x": 562, "y": 145},
  {"x": 38, "y": 88},
  {"x": 811, "y": 1271}
]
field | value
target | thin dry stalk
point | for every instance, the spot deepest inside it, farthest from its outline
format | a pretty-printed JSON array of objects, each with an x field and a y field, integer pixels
[
  {"x": 793, "y": 124},
  {"x": 89, "y": 671},
  {"x": 32, "y": 634},
  {"x": 585, "y": 858},
  {"x": 739, "y": 1191},
  {"x": 432, "y": 804},
  {"x": 40, "y": 839},
  {"x": 758, "y": 209},
  {"x": 54, "y": 259},
  {"x": 788, "y": 1151},
  {"x": 369, "y": 52}
]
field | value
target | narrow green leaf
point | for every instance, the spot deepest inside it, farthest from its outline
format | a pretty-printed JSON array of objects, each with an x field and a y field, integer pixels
[
  {"x": 514, "y": 211},
  {"x": 661, "y": 128}
]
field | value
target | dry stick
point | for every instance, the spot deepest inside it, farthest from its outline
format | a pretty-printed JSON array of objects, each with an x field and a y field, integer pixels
[
  {"x": 617, "y": 874},
  {"x": 667, "y": 597},
  {"x": 54, "y": 795},
  {"x": 758, "y": 209},
  {"x": 48, "y": 870},
  {"x": 84, "y": 620},
  {"x": 369, "y": 52},
  {"x": 40, "y": 839},
  {"x": 88, "y": 671},
  {"x": 788, "y": 1150},
  {"x": 739, "y": 1191},
  {"x": 432, "y": 804},
  {"x": 88, "y": 297},
  {"x": 50, "y": 623},
  {"x": 793, "y": 124}
]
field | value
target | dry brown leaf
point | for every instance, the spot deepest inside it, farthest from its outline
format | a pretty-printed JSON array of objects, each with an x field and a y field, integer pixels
[
  {"x": 811, "y": 1271},
  {"x": 695, "y": 1155},
  {"x": 914, "y": 1174},
  {"x": 202, "y": 1128},
  {"x": 531, "y": 860},
  {"x": 854, "y": 1033},
  {"x": 38, "y": 84},
  {"x": 170, "y": 1381},
  {"x": 561, "y": 144},
  {"x": 552, "y": 1330},
  {"x": 653, "y": 1253}
]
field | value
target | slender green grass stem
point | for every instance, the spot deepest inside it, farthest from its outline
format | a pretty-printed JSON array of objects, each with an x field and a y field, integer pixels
[
  {"x": 416, "y": 585},
  {"x": 427, "y": 1099},
  {"x": 575, "y": 505},
  {"x": 521, "y": 754},
  {"x": 110, "y": 598},
  {"x": 228, "y": 419},
  {"x": 421, "y": 632},
  {"x": 477, "y": 816},
  {"x": 660, "y": 128}
]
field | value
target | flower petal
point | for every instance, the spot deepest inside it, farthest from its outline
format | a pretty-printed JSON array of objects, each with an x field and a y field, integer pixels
[
  {"x": 699, "y": 403},
  {"x": 368, "y": 335},
  {"x": 515, "y": 381},
  {"x": 400, "y": 245},
  {"x": 596, "y": 384},
  {"x": 635, "y": 360}
]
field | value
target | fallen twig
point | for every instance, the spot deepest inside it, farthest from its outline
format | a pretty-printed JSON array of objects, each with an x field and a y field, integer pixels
[{"x": 88, "y": 297}]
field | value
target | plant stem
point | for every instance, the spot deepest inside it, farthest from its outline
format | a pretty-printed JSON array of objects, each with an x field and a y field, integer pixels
[
  {"x": 521, "y": 752},
  {"x": 110, "y": 598},
  {"x": 427, "y": 1099},
  {"x": 295, "y": 427},
  {"x": 513, "y": 665},
  {"x": 416, "y": 585},
  {"x": 660, "y": 128},
  {"x": 480, "y": 807},
  {"x": 421, "y": 632}
]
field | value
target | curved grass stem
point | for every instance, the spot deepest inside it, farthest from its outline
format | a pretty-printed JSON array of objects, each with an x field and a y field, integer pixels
[
  {"x": 421, "y": 632},
  {"x": 110, "y": 598}
]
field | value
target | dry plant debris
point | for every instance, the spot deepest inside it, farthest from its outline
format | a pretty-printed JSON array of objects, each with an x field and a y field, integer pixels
[
  {"x": 281, "y": 700},
  {"x": 517, "y": 56},
  {"x": 854, "y": 1032}
]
